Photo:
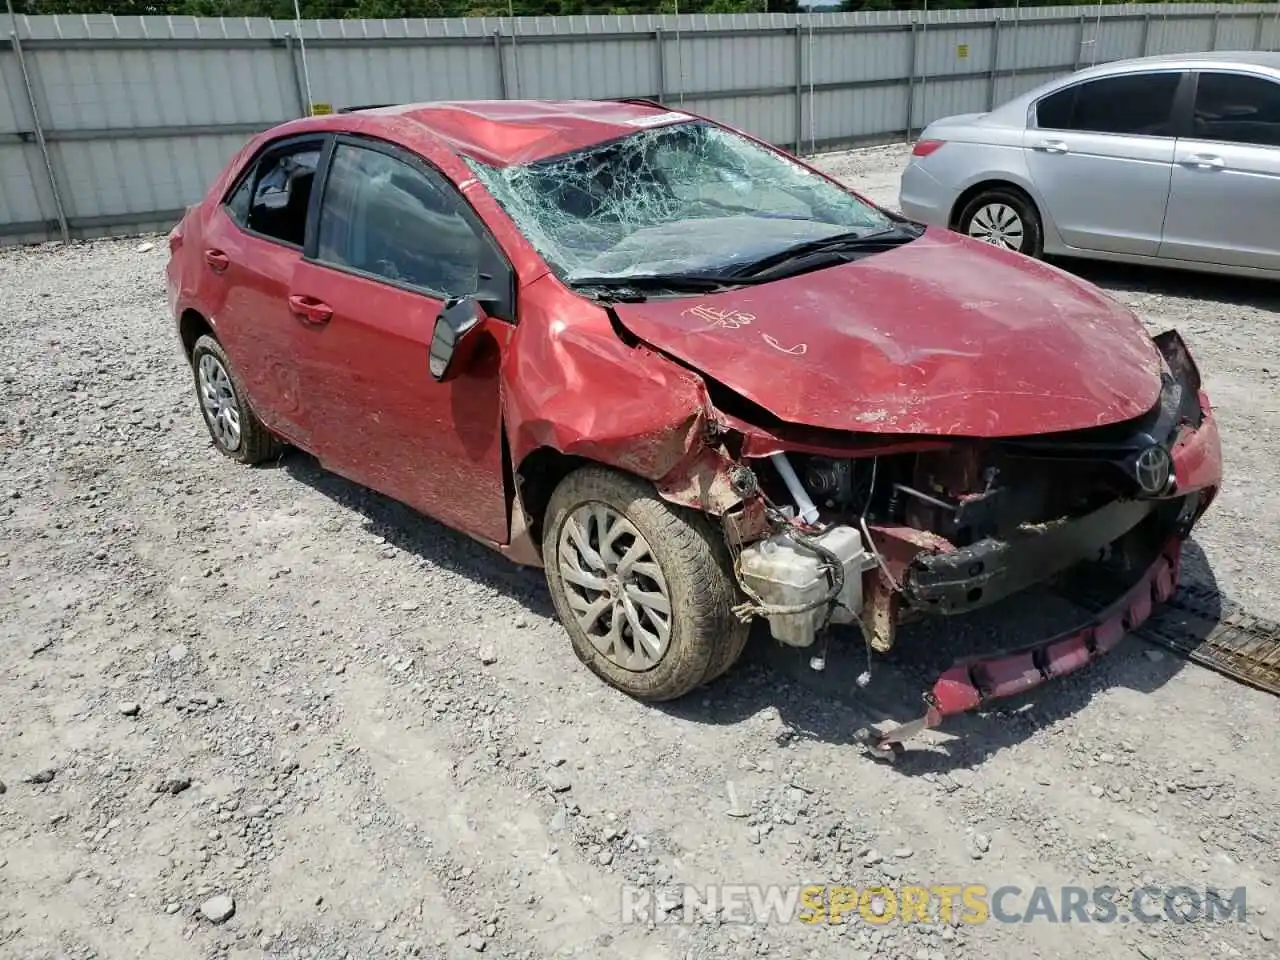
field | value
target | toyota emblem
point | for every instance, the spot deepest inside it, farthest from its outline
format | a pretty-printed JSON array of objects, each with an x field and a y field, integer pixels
[{"x": 1151, "y": 469}]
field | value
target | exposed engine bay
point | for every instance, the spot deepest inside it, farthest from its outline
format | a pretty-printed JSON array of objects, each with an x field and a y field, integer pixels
[{"x": 876, "y": 540}]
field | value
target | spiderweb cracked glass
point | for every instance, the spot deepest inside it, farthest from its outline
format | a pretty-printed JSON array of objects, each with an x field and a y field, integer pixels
[{"x": 674, "y": 199}]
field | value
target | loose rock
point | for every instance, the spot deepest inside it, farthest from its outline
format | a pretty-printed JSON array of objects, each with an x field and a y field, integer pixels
[
  {"x": 218, "y": 909},
  {"x": 175, "y": 785},
  {"x": 557, "y": 779}
]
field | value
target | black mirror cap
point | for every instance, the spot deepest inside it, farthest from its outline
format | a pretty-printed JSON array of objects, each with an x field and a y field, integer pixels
[{"x": 460, "y": 316}]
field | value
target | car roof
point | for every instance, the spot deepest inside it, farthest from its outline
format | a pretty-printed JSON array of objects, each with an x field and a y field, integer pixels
[
  {"x": 1189, "y": 61},
  {"x": 1014, "y": 110},
  {"x": 1259, "y": 58},
  {"x": 505, "y": 132}
]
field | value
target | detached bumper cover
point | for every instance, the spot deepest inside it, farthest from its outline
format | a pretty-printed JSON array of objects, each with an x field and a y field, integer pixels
[{"x": 970, "y": 684}]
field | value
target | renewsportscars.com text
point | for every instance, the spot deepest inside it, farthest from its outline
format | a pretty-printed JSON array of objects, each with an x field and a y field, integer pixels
[{"x": 946, "y": 903}]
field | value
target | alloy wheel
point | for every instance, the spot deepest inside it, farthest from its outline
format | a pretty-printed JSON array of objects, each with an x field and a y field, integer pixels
[
  {"x": 615, "y": 587},
  {"x": 218, "y": 397}
]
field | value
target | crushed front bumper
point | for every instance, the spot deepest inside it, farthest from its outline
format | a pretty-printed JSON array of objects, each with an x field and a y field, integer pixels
[{"x": 970, "y": 684}]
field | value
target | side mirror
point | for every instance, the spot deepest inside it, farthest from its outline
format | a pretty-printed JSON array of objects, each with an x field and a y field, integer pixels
[{"x": 452, "y": 337}]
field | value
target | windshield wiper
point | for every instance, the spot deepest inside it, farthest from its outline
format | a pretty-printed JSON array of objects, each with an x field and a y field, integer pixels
[
  {"x": 840, "y": 242},
  {"x": 640, "y": 286}
]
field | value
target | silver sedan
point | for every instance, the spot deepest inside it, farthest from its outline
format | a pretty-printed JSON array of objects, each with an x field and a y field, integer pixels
[{"x": 1171, "y": 160}]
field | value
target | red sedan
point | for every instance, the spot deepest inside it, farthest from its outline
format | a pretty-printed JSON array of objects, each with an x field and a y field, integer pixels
[{"x": 696, "y": 380}]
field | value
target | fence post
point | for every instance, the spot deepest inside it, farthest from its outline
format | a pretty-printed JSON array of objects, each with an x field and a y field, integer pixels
[
  {"x": 515, "y": 57},
  {"x": 1213, "y": 36},
  {"x": 502, "y": 66},
  {"x": 911, "y": 80},
  {"x": 800, "y": 86},
  {"x": 304, "y": 108},
  {"x": 1258, "y": 35},
  {"x": 662, "y": 65},
  {"x": 995, "y": 63},
  {"x": 1146, "y": 34},
  {"x": 1080, "y": 44},
  {"x": 39, "y": 131}
]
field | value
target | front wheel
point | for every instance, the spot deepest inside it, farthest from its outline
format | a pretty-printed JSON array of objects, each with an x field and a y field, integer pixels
[
  {"x": 644, "y": 589},
  {"x": 1005, "y": 218}
]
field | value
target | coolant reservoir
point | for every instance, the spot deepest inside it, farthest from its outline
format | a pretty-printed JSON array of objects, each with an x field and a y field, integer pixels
[{"x": 782, "y": 572}]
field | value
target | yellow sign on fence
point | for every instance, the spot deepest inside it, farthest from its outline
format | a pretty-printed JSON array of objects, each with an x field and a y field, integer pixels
[
  {"x": 321, "y": 109},
  {"x": 962, "y": 51}
]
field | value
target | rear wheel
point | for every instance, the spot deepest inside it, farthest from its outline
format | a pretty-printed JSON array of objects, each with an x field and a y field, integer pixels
[
  {"x": 1004, "y": 217},
  {"x": 644, "y": 589},
  {"x": 235, "y": 429}
]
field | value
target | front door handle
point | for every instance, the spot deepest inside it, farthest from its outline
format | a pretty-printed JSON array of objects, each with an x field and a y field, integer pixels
[
  {"x": 1205, "y": 161},
  {"x": 1051, "y": 146},
  {"x": 310, "y": 310},
  {"x": 217, "y": 260}
]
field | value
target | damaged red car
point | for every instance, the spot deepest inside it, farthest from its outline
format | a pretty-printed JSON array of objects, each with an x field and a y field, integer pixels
[{"x": 696, "y": 380}]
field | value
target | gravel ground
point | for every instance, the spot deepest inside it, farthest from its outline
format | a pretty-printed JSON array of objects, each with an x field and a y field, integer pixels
[{"x": 262, "y": 712}]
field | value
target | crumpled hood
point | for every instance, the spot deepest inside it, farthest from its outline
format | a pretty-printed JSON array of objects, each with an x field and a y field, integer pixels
[{"x": 943, "y": 336}]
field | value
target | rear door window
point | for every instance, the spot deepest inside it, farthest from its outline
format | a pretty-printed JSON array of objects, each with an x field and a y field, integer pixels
[
  {"x": 1236, "y": 108},
  {"x": 1138, "y": 104},
  {"x": 273, "y": 197}
]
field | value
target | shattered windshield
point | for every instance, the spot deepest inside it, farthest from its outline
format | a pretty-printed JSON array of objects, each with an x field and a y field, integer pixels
[{"x": 689, "y": 198}]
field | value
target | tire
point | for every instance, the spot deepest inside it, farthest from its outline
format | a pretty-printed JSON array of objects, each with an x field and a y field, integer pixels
[
  {"x": 678, "y": 556},
  {"x": 234, "y": 428},
  {"x": 995, "y": 214}
]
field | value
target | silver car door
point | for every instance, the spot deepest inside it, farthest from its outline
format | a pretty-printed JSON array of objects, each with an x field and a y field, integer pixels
[
  {"x": 1224, "y": 204},
  {"x": 1101, "y": 156}
]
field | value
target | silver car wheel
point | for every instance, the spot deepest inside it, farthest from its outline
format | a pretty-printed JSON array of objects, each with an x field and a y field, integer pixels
[
  {"x": 218, "y": 397},
  {"x": 615, "y": 587},
  {"x": 999, "y": 225}
]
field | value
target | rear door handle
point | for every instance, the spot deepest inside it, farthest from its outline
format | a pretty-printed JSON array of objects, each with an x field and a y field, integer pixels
[
  {"x": 217, "y": 260},
  {"x": 1205, "y": 161},
  {"x": 1051, "y": 146},
  {"x": 310, "y": 310}
]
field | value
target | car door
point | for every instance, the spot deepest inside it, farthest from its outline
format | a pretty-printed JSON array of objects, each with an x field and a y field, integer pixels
[
  {"x": 1224, "y": 204},
  {"x": 1100, "y": 154},
  {"x": 394, "y": 240},
  {"x": 252, "y": 244}
]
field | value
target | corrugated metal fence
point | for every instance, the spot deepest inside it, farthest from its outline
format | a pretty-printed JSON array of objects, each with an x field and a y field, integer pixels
[{"x": 113, "y": 125}]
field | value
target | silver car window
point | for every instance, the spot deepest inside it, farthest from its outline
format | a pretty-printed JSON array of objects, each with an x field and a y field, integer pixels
[
  {"x": 1136, "y": 104},
  {"x": 1237, "y": 108}
]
